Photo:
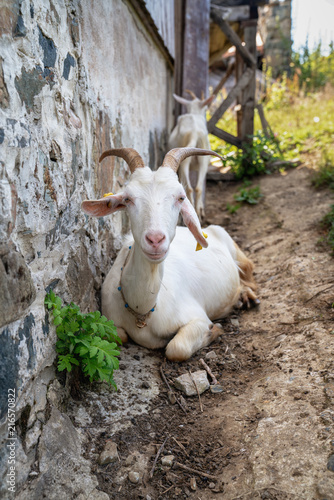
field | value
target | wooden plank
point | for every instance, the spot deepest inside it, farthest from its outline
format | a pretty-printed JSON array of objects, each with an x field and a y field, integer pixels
[
  {"x": 239, "y": 68},
  {"x": 222, "y": 82},
  {"x": 233, "y": 37},
  {"x": 178, "y": 67},
  {"x": 248, "y": 94},
  {"x": 225, "y": 136},
  {"x": 196, "y": 47},
  {"x": 237, "y": 89},
  {"x": 265, "y": 125}
]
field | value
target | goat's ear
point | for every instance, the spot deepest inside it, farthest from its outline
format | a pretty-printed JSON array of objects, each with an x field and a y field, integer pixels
[
  {"x": 208, "y": 101},
  {"x": 192, "y": 222},
  {"x": 181, "y": 100},
  {"x": 104, "y": 206}
]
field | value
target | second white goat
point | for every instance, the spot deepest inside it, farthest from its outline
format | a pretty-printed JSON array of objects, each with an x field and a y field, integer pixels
[
  {"x": 160, "y": 291},
  {"x": 191, "y": 131}
]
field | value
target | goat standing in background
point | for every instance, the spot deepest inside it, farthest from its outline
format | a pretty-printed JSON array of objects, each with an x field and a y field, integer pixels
[
  {"x": 191, "y": 132},
  {"x": 160, "y": 291}
]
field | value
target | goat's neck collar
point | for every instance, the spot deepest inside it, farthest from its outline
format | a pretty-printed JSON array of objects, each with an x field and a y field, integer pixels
[{"x": 139, "y": 273}]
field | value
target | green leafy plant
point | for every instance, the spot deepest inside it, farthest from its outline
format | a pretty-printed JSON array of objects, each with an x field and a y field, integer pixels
[
  {"x": 88, "y": 341},
  {"x": 249, "y": 195},
  {"x": 253, "y": 159},
  {"x": 232, "y": 208}
]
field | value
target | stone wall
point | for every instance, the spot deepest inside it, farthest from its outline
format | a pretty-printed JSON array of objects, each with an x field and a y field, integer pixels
[
  {"x": 275, "y": 29},
  {"x": 76, "y": 77}
]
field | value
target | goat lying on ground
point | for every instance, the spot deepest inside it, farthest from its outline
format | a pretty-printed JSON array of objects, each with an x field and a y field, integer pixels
[
  {"x": 160, "y": 291},
  {"x": 191, "y": 131}
]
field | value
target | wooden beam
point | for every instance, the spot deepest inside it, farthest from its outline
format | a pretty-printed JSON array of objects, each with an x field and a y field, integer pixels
[
  {"x": 225, "y": 136},
  {"x": 233, "y": 38},
  {"x": 233, "y": 94},
  {"x": 222, "y": 82},
  {"x": 248, "y": 94},
  {"x": 265, "y": 125},
  {"x": 239, "y": 68},
  {"x": 196, "y": 47},
  {"x": 179, "y": 44}
]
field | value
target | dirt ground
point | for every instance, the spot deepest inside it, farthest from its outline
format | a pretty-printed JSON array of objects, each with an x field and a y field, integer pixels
[{"x": 269, "y": 434}]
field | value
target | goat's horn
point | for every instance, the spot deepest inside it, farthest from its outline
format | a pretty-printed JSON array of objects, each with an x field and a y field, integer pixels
[
  {"x": 191, "y": 93},
  {"x": 175, "y": 156},
  {"x": 132, "y": 158}
]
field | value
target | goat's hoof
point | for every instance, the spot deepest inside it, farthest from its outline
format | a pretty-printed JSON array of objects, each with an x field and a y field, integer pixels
[
  {"x": 122, "y": 335},
  {"x": 215, "y": 331},
  {"x": 248, "y": 302}
]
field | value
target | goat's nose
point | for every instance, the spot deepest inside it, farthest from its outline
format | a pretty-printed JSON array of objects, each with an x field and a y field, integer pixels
[{"x": 155, "y": 238}]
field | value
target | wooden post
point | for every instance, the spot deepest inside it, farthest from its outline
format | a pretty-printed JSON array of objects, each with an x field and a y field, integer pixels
[
  {"x": 179, "y": 6},
  {"x": 248, "y": 94},
  {"x": 196, "y": 47},
  {"x": 239, "y": 68}
]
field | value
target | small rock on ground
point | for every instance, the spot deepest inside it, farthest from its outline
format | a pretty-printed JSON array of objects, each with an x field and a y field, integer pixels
[
  {"x": 109, "y": 454},
  {"x": 167, "y": 460},
  {"x": 185, "y": 383},
  {"x": 134, "y": 477}
]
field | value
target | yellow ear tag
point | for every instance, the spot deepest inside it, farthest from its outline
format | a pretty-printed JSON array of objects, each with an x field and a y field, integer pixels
[
  {"x": 107, "y": 194},
  {"x": 199, "y": 247}
]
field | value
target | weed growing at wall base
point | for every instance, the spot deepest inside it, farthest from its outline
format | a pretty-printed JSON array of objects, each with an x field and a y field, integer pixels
[{"x": 88, "y": 341}]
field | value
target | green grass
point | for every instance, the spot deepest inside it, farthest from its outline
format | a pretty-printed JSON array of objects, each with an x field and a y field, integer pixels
[
  {"x": 303, "y": 129},
  {"x": 300, "y": 125}
]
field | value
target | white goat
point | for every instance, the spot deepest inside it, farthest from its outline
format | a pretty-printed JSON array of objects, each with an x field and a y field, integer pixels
[
  {"x": 160, "y": 291},
  {"x": 191, "y": 131}
]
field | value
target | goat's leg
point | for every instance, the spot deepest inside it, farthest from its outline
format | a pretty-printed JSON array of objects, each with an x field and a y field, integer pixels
[
  {"x": 185, "y": 179},
  {"x": 248, "y": 285},
  {"x": 202, "y": 171},
  {"x": 195, "y": 335},
  {"x": 122, "y": 334}
]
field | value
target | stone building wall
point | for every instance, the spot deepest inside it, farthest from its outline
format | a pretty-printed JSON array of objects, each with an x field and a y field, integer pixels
[
  {"x": 76, "y": 77},
  {"x": 275, "y": 29}
]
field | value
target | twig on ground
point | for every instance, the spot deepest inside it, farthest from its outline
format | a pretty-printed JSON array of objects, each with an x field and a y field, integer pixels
[
  {"x": 200, "y": 473},
  {"x": 181, "y": 446},
  {"x": 157, "y": 456},
  {"x": 207, "y": 368},
  {"x": 199, "y": 396},
  {"x": 164, "y": 378},
  {"x": 170, "y": 389},
  {"x": 318, "y": 293},
  {"x": 168, "y": 489},
  {"x": 258, "y": 490}
]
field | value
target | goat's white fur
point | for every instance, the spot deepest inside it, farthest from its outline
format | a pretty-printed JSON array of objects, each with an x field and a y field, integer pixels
[
  {"x": 191, "y": 131},
  {"x": 189, "y": 288}
]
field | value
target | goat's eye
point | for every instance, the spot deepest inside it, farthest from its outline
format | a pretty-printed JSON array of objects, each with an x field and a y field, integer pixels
[{"x": 182, "y": 198}]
